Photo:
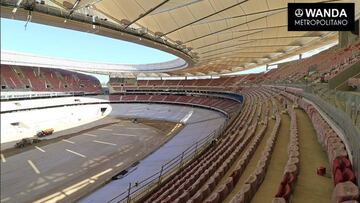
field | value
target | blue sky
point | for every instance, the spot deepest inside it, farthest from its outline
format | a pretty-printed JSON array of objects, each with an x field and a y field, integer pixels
[{"x": 63, "y": 43}]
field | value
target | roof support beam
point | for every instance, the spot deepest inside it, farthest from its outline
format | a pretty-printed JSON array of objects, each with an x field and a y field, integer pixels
[
  {"x": 255, "y": 29},
  {"x": 242, "y": 48},
  {"x": 221, "y": 48},
  {"x": 231, "y": 27},
  {"x": 200, "y": 19},
  {"x": 244, "y": 15},
  {"x": 235, "y": 61},
  {"x": 282, "y": 37},
  {"x": 279, "y": 11},
  {"x": 256, "y": 13},
  {"x": 231, "y": 39},
  {"x": 74, "y": 6},
  {"x": 147, "y": 12},
  {"x": 252, "y": 40},
  {"x": 238, "y": 53},
  {"x": 270, "y": 45}
]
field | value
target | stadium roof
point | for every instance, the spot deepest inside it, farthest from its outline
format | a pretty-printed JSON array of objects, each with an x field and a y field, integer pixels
[{"x": 212, "y": 36}]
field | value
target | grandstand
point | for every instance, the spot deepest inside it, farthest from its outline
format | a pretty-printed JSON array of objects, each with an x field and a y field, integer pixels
[
  {"x": 20, "y": 78},
  {"x": 189, "y": 130}
]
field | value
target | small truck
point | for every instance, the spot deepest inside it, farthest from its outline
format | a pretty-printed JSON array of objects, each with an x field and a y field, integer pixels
[{"x": 45, "y": 132}]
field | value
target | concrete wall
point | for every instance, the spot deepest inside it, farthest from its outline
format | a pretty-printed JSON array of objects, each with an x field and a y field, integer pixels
[
  {"x": 23, "y": 124},
  {"x": 347, "y": 38}
]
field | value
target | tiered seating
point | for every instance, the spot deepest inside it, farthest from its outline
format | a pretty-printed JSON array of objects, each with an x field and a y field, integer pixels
[
  {"x": 155, "y": 83},
  {"x": 9, "y": 79},
  {"x": 200, "y": 180},
  {"x": 354, "y": 82},
  {"x": 223, "y": 83},
  {"x": 187, "y": 83},
  {"x": 218, "y": 82},
  {"x": 87, "y": 83},
  {"x": 21, "y": 78},
  {"x": 224, "y": 189},
  {"x": 32, "y": 77},
  {"x": 227, "y": 105},
  {"x": 168, "y": 83},
  {"x": 69, "y": 80},
  {"x": 292, "y": 166},
  {"x": 197, "y": 181},
  {"x": 52, "y": 79},
  {"x": 325, "y": 64},
  {"x": 342, "y": 172},
  {"x": 186, "y": 183},
  {"x": 253, "y": 182}
]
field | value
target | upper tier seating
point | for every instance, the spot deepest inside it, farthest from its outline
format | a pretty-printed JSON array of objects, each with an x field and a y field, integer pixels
[
  {"x": 325, "y": 64},
  {"x": 227, "y": 83},
  {"x": 321, "y": 67},
  {"x": 21, "y": 78}
]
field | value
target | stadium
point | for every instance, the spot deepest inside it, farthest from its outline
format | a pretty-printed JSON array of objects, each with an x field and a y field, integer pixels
[{"x": 223, "y": 101}]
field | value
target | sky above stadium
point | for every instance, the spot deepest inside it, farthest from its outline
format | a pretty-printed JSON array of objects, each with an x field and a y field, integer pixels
[{"x": 56, "y": 42}]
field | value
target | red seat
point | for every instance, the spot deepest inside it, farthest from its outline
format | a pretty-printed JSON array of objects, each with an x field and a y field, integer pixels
[
  {"x": 348, "y": 175},
  {"x": 346, "y": 162},
  {"x": 280, "y": 191},
  {"x": 287, "y": 192},
  {"x": 338, "y": 177}
]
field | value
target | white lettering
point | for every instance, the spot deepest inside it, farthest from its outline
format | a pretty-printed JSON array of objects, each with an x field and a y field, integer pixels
[
  {"x": 334, "y": 13},
  {"x": 310, "y": 12},
  {"x": 318, "y": 13},
  {"x": 343, "y": 13},
  {"x": 327, "y": 13}
]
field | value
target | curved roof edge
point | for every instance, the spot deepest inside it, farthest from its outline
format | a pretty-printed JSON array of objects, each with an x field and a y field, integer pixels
[
  {"x": 24, "y": 59},
  {"x": 52, "y": 17}
]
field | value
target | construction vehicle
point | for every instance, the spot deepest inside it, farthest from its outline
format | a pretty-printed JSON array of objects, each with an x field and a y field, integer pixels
[
  {"x": 45, "y": 132},
  {"x": 26, "y": 141}
]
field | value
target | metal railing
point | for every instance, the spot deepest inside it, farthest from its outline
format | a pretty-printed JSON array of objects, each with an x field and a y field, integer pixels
[
  {"x": 344, "y": 122},
  {"x": 33, "y": 94}
]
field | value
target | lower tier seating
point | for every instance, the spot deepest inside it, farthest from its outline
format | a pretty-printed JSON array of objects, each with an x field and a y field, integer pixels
[
  {"x": 221, "y": 173},
  {"x": 227, "y": 105}
]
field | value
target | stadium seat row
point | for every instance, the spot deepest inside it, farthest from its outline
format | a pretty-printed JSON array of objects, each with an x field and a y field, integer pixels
[
  {"x": 227, "y": 105},
  {"x": 254, "y": 181},
  {"x": 197, "y": 173},
  {"x": 342, "y": 173},
  {"x": 291, "y": 169}
]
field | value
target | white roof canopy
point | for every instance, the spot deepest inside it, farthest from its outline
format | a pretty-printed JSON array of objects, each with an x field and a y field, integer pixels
[{"x": 212, "y": 36}]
